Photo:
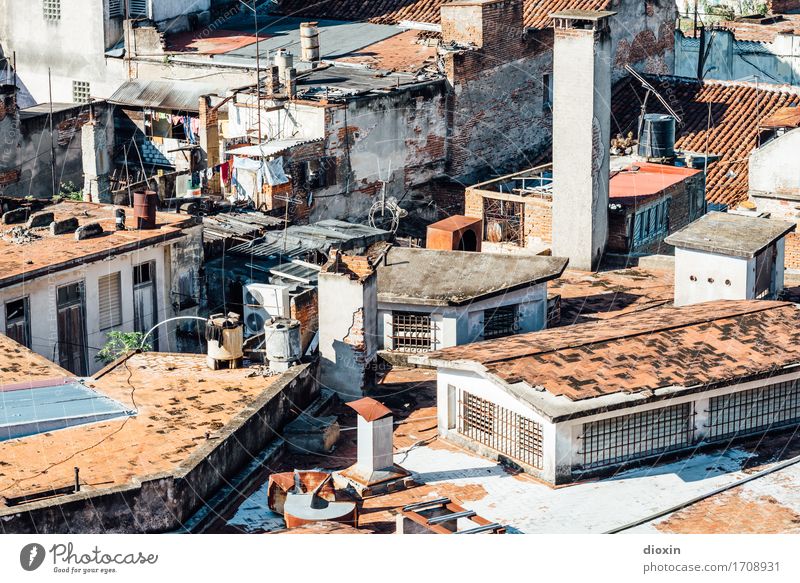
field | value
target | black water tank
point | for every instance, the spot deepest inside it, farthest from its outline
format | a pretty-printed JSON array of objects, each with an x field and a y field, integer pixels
[{"x": 657, "y": 139}]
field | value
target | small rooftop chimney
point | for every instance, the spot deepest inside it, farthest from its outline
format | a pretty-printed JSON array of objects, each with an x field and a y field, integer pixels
[
  {"x": 375, "y": 432},
  {"x": 581, "y": 135},
  {"x": 309, "y": 43}
]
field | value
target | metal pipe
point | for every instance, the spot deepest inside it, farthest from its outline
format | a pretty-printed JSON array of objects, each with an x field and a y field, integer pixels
[
  {"x": 141, "y": 344},
  {"x": 453, "y": 516}
]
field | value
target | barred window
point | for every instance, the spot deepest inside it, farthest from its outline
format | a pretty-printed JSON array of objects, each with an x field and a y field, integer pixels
[
  {"x": 629, "y": 437},
  {"x": 500, "y": 429},
  {"x": 499, "y": 322},
  {"x": 754, "y": 411},
  {"x": 80, "y": 91},
  {"x": 412, "y": 332},
  {"x": 51, "y": 9}
]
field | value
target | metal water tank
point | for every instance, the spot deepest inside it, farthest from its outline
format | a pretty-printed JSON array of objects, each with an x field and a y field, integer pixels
[
  {"x": 284, "y": 60},
  {"x": 282, "y": 343},
  {"x": 144, "y": 209},
  {"x": 657, "y": 139},
  {"x": 309, "y": 42}
]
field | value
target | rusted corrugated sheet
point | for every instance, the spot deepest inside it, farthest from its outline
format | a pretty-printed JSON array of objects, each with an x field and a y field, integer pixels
[{"x": 175, "y": 96}]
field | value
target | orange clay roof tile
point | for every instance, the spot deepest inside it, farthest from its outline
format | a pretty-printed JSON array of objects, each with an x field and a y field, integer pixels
[
  {"x": 536, "y": 12},
  {"x": 692, "y": 345},
  {"x": 736, "y": 110}
]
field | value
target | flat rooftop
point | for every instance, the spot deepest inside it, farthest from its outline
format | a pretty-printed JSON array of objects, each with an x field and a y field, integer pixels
[
  {"x": 639, "y": 356},
  {"x": 730, "y": 234},
  {"x": 453, "y": 278},
  {"x": 645, "y": 179},
  {"x": 526, "y": 505},
  {"x": 179, "y": 404},
  {"x": 38, "y": 253}
]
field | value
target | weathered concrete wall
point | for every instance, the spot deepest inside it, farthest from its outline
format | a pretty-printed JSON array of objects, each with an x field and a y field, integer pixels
[
  {"x": 347, "y": 332},
  {"x": 41, "y": 293},
  {"x": 163, "y": 502},
  {"x": 72, "y": 47},
  {"x": 398, "y": 138},
  {"x": 29, "y": 134},
  {"x": 186, "y": 292},
  {"x": 642, "y": 36},
  {"x": 731, "y": 59},
  {"x": 773, "y": 169},
  {"x": 581, "y": 135}
]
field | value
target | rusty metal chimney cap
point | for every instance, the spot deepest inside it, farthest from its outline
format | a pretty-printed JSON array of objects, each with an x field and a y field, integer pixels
[{"x": 370, "y": 409}]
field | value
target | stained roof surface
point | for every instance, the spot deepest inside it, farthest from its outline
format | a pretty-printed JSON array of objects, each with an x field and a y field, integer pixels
[
  {"x": 43, "y": 252},
  {"x": 442, "y": 278},
  {"x": 645, "y": 179},
  {"x": 736, "y": 108},
  {"x": 663, "y": 347},
  {"x": 730, "y": 234}
]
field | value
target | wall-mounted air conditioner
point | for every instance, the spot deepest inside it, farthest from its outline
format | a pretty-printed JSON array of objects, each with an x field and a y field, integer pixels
[{"x": 262, "y": 302}]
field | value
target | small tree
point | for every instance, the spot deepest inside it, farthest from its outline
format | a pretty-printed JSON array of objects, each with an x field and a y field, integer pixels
[
  {"x": 120, "y": 343},
  {"x": 68, "y": 191}
]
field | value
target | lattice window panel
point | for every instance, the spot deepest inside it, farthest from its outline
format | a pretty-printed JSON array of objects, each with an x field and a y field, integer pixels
[
  {"x": 639, "y": 435},
  {"x": 754, "y": 411},
  {"x": 51, "y": 9},
  {"x": 80, "y": 92},
  {"x": 500, "y": 429}
]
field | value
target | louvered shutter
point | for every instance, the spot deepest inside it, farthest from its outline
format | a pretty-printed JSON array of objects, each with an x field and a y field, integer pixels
[{"x": 110, "y": 289}]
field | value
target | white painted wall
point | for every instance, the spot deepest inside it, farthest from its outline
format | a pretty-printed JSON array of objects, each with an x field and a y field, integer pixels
[
  {"x": 42, "y": 301},
  {"x": 773, "y": 171},
  {"x": 486, "y": 389},
  {"x": 717, "y": 277},
  {"x": 341, "y": 300},
  {"x": 464, "y": 324},
  {"x": 562, "y": 441}
]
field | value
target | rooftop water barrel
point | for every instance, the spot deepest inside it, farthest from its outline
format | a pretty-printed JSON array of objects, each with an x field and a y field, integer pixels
[
  {"x": 657, "y": 139},
  {"x": 282, "y": 343}
]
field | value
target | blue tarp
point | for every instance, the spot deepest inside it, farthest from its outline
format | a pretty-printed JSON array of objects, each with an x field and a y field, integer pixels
[{"x": 29, "y": 411}]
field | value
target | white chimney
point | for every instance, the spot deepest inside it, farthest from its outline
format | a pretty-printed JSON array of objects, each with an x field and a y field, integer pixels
[
  {"x": 581, "y": 135},
  {"x": 375, "y": 432},
  {"x": 309, "y": 42}
]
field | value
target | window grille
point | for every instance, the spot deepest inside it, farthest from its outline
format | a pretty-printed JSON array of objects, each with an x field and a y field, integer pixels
[
  {"x": 629, "y": 437},
  {"x": 110, "y": 308},
  {"x": 499, "y": 322},
  {"x": 500, "y": 429},
  {"x": 51, "y": 9},
  {"x": 754, "y": 411},
  {"x": 80, "y": 91},
  {"x": 412, "y": 332}
]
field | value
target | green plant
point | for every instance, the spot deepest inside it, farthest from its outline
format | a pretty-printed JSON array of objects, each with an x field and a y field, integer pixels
[
  {"x": 120, "y": 343},
  {"x": 68, "y": 191}
]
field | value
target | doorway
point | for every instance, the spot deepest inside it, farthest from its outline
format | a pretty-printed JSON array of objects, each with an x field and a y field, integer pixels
[{"x": 71, "y": 308}]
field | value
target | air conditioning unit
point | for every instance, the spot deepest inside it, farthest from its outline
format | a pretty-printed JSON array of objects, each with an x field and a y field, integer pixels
[{"x": 262, "y": 302}]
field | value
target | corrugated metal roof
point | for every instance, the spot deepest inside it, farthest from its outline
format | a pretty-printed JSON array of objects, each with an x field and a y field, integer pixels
[
  {"x": 270, "y": 148},
  {"x": 174, "y": 95},
  {"x": 29, "y": 411}
]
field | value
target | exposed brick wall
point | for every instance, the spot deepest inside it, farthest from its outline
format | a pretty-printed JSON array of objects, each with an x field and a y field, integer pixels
[
  {"x": 792, "y": 249},
  {"x": 782, "y": 6},
  {"x": 304, "y": 308},
  {"x": 538, "y": 219}
]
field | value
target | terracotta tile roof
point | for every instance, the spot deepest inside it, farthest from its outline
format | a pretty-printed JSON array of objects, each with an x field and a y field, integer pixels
[
  {"x": 784, "y": 117},
  {"x": 736, "y": 110},
  {"x": 369, "y": 409},
  {"x": 692, "y": 345},
  {"x": 393, "y": 11},
  {"x": 765, "y": 31}
]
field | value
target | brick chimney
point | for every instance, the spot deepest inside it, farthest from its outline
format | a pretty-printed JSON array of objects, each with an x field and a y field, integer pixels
[
  {"x": 96, "y": 161},
  {"x": 484, "y": 24},
  {"x": 581, "y": 135}
]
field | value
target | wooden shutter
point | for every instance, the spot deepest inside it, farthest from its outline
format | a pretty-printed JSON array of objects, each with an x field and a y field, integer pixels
[
  {"x": 110, "y": 291},
  {"x": 138, "y": 8}
]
